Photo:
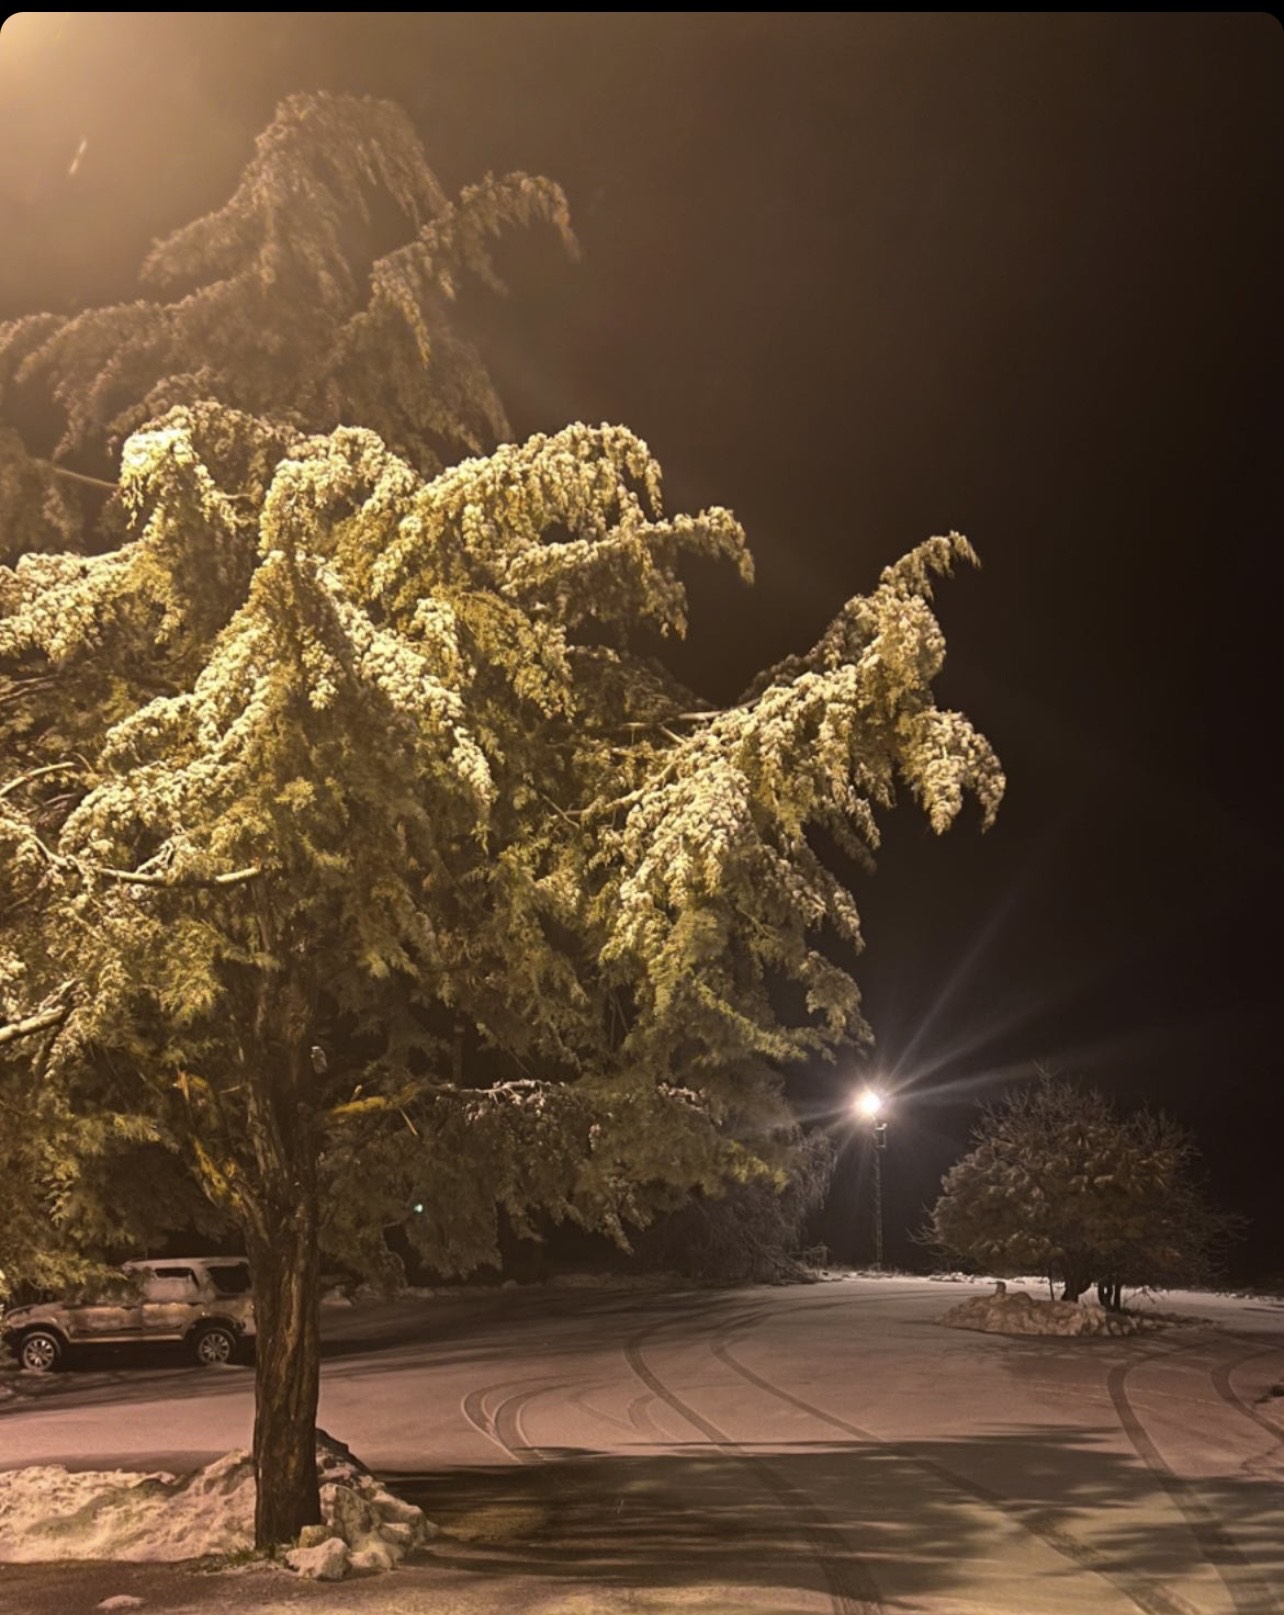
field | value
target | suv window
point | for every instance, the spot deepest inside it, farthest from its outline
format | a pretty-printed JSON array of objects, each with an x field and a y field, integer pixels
[
  {"x": 172, "y": 1284},
  {"x": 117, "y": 1289},
  {"x": 231, "y": 1280}
]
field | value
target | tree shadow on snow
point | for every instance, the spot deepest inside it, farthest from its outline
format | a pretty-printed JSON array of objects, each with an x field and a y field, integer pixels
[{"x": 880, "y": 1520}]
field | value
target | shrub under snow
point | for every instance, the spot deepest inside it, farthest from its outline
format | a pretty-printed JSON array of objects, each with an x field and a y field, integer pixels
[{"x": 1017, "y": 1313}]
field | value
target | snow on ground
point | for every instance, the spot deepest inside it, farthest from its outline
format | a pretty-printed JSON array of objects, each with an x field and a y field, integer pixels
[
  {"x": 49, "y": 1513},
  {"x": 337, "y": 1296}
]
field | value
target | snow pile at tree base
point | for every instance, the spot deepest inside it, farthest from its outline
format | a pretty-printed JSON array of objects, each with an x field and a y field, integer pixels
[
  {"x": 48, "y": 1513},
  {"x": 1017, "y": 1313}
]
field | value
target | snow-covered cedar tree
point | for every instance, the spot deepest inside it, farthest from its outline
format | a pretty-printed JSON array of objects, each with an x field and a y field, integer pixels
[
  {"x": 1061, "y": 1183},
  {"x": 350, "y": 853}
]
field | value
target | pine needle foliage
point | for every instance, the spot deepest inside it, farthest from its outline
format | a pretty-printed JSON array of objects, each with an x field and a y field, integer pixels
[
  {"x": 350, "y": 855},
  {"x": 283, "y": 306}
]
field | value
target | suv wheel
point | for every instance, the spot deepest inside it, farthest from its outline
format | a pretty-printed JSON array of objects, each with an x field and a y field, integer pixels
[
  {"x": 40, "y": 1351},
  {"x": 213, "y": 1345}
]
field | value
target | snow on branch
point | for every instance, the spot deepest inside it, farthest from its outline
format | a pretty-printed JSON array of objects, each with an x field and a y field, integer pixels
[{"x": 55, "y": 1009}]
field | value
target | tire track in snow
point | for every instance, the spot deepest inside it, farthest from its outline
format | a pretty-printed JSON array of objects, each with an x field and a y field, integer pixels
[
  {"x": 1248, "y": 1593},
  {"x": 503, "y": 1427},
  {"x": 1029, "y": 1517},
  {"x": 1221, "y": 1382},
  {"x": 849, "y": 1581}
]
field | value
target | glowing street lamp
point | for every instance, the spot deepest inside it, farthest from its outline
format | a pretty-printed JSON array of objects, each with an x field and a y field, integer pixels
[{"x": 870, "y": 1105}]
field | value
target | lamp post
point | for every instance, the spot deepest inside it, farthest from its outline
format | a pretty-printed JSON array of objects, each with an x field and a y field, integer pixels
[{"x": 870, "y": 1104}]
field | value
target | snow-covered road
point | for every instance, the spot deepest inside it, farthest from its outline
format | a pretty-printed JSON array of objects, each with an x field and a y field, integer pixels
[{"x": 824, "y": 1448}]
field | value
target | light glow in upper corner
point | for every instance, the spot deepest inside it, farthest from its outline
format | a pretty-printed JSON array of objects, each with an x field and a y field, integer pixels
[
  {"x": 869, "y": 1103},
  {"x": 26, "y": 34}
]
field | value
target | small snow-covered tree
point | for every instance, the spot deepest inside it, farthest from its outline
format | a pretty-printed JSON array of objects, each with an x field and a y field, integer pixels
[
  {"x": 351, "y": 853},
  {"x": 1060, "y": 1183}
]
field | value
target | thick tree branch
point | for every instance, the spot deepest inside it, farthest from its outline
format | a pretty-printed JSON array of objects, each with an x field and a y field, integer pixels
[
  {"x": 33, "y": 1023},
  {"x": 135, "y": 877},
  {"x": 50, "y": 1015}
]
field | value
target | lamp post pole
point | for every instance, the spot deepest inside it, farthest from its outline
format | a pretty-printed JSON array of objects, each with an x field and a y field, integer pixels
[
  {"x": 880, "y": 1144},
  {"x": 870, "y": 1105}
]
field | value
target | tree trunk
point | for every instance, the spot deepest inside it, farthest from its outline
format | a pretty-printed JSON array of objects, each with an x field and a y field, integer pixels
[
  {"x": 282, "y": 1241},
  {"x": 1110, "y": 1295},
  {"x": 286, "y": 1270},
  {"x": 1075, "y": 1278}
]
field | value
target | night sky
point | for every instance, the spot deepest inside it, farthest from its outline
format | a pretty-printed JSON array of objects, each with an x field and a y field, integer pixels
[{"x": 864, "y": 279}]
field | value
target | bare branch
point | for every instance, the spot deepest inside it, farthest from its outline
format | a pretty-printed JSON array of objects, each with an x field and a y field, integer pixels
[
  {"x": 35, "y": 773},
  {"x": 76, "y": 476},
  {"x": 143, "y": 877},
  {"x": 560, "y": 811},
  {"x": 135, "y": 877}
]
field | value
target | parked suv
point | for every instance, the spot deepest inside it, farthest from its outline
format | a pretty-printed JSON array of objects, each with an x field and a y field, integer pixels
[{"x": 202, "y": 1302}]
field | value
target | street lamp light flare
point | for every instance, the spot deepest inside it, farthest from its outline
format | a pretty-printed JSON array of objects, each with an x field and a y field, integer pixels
[{"x": 869, "y": 1103}]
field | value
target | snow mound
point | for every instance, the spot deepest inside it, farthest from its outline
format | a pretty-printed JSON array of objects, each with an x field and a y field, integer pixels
[
  {"x": 1014, "y": 1312},
  {"x": 49, "y": 1513}
]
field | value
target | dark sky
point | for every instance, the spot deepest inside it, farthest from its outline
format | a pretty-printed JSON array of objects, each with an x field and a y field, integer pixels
[{"x": 864, "y": 279}]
